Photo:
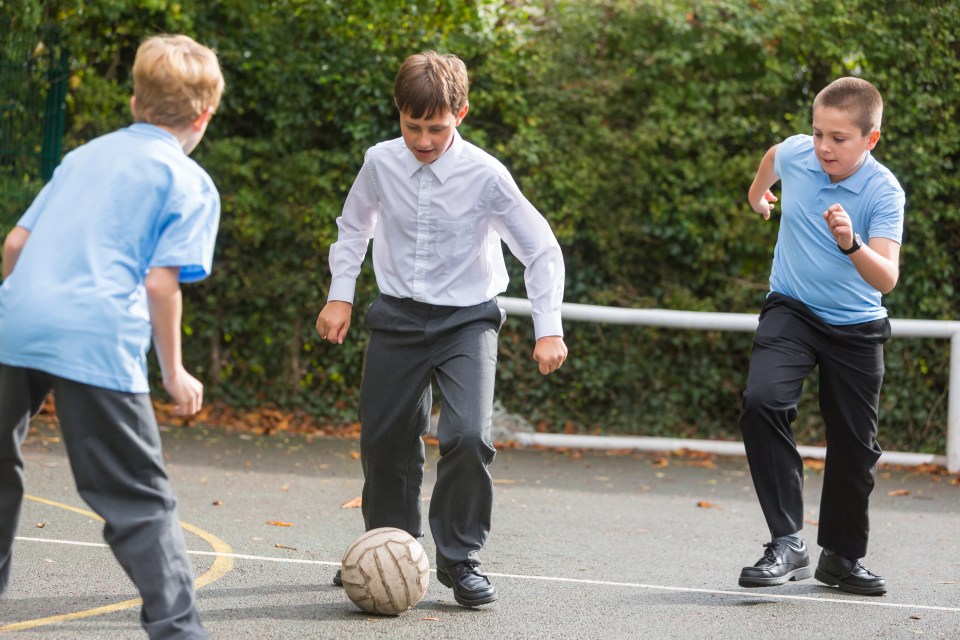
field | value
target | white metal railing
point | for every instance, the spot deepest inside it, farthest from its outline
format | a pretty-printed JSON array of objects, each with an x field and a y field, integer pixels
[{"x": 711, "y": 321}]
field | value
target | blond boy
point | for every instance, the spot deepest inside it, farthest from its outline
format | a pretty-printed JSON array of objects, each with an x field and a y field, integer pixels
[{"x": 91, "y": 274}]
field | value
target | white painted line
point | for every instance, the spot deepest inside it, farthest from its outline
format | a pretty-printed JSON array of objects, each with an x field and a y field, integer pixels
[
  {"x": 750, "y": 593},
  {"x": 603, "y": 583},
  {"x": 53, "y": 541}
]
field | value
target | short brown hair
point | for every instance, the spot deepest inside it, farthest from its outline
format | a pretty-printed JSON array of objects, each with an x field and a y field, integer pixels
[
  {"x": 175, "y": 79},
  {"x": 857, "y": 97},
  {"x": 430, "y": 83}
]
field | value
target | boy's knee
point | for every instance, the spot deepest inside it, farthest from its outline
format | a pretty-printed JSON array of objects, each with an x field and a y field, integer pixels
[{"x": 761, "y": 402}]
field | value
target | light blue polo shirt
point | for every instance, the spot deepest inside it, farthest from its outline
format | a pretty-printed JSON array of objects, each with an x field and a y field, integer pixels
[
  {"x": 807, "y": 264},
  {"x": 75, "y": 305}
]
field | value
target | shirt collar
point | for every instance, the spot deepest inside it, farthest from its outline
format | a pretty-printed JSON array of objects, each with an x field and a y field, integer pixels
[
  {"x": 443, "y": 166},
  {"x": 853, "y": 183}
]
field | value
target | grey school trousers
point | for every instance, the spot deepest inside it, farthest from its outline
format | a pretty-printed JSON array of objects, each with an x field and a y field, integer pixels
[
  {"x": 115, "y": 453},
  {"x": 409, "y": 342},
  {"x": 790, "y": 341}
]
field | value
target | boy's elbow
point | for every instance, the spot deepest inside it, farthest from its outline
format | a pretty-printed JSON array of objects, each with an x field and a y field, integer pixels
[
  {"x": 162, "y": 282},
  {"x": 15, "y": 241},
  {"x": 889, "y": 283}
]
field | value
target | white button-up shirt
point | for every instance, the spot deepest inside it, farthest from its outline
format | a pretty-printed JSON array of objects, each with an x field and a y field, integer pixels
[{"x": 437, "y": 229}]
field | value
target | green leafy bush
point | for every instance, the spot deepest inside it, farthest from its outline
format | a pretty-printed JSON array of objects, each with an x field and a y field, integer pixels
[{"x": 636, "y": 127}]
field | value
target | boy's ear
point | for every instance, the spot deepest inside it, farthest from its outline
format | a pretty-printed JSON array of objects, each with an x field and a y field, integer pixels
[
  {"x": 872, "y": 139},
  {"x": 463, "y": 113},
  {"x": 203, "y": 119},
  {"x": 133, "y": 106}
]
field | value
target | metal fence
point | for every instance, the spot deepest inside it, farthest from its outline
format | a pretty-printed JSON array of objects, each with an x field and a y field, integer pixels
[
  {"x": 34, "y": 71},
  {"x": 707, "y": 321}
]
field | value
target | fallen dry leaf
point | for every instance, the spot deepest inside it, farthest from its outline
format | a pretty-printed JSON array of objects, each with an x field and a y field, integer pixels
[
  {"x": 217, "y": 503},
  {"x": 278, "y": 523},
  {"x": 432, "y": 619},
  {"x": 815, "y": 523},
  {"x": 277, "y": 545},
  {"x": 899, "y": 492},
  {"x": 41, "y": 525},
  {"x": 703, "y": 504},
  {"x": 353, "y": 503},
  {"x": 661, "y": 462},
  {"x": 355, "y": 454},
  {"x": 705, "y": 464}
]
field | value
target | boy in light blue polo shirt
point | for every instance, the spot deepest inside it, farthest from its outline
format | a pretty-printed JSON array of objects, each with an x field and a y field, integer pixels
[
  {"x": 91, "y": 274},
  {"x": 837, "y": 252}
]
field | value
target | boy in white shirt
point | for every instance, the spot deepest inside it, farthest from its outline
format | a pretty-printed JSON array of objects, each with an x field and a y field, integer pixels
[{"x": 437, "y": 208}]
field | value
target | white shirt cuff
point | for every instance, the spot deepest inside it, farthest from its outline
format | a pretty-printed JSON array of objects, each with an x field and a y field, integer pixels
[
  {"x": 547, "y": 325},
  {"x": 342, "y": 288}
]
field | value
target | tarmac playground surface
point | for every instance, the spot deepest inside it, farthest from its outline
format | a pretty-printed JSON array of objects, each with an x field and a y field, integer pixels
[{"x": 584, "y": 545}]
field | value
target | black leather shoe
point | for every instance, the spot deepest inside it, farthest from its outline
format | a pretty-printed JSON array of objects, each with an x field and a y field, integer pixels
[
  {"x": 849, "y": 576},
  {"x": 780, "y": 564},
  {"x": 471, "y": 587},
  {"x": 338, "y": 579}
]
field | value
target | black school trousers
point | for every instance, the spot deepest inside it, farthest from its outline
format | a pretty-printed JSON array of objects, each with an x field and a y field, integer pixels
[
  {"x": 790, "y": 341},
  {"x": 410, "y": 342}
]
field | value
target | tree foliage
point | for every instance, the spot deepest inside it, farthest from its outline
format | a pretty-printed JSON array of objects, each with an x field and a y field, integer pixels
[{"x": 635, "y": 126}]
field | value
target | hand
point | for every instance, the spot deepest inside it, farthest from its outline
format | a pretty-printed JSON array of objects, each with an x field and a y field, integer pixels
[
  {"x": 550, "y": 352},
  {"x": 765, "y": 205},
  {"x": 838, "y": 221},
  {"x": 186, "y": 391},
  {"x": 334, "y": 320}
]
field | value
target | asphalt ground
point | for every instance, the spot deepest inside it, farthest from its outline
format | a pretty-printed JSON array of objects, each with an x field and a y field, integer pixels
[{"x": 584, "y": 545}]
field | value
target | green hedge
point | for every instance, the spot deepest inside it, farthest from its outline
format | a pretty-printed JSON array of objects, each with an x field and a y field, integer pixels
[{"x": 636, "y": 127}]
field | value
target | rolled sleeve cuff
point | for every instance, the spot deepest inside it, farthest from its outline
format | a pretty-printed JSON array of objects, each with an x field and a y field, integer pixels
[
  {"x": 547, "y": 325},
  {"x": 343, "y": 289}
]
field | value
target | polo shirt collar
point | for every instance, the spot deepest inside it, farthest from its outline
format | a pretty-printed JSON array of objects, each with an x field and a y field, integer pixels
[
  {"x": 443, "y": 166},
  {"x": 152, "y": 130},
  {"x": 853, "y": 183}
]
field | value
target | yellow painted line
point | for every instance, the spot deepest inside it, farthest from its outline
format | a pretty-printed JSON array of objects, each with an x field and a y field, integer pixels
[{"x": 221, "y": 566}]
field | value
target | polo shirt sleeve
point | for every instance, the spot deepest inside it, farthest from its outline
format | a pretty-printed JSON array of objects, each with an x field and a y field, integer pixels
[
  {"x": 786, "y": 152},
  {"x": 886, "y": 214},
  {"x": 29, "y": 219},
  {"x": 188, "y": 232}
]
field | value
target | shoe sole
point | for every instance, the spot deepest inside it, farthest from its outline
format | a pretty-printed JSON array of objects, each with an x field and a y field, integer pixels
[
  {"x": 447, "y": 582},
  {"x": 833, "y": 581},
  {"x": 797, "y": 574}
]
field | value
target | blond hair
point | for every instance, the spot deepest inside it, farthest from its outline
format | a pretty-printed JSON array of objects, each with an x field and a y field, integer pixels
[
  {"x": 175, "y": 80},
  {"x": 858, "y": 98},
  {"x": 430, "y": 83}
]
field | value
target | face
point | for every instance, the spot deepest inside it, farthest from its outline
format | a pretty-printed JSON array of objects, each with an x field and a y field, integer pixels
[
  {"x": 839, "y": 143},
  {"x": 428, "y": 138}
]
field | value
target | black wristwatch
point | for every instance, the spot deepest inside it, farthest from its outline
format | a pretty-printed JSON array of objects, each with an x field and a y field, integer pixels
[{"x": 857, "y": 243}]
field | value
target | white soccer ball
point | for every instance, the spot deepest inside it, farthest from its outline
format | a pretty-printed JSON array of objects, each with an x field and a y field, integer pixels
[{"x": 385, "y": 571}]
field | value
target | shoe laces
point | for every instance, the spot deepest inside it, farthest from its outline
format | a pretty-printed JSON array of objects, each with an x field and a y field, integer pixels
[{"x": 770, "y": 549}]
